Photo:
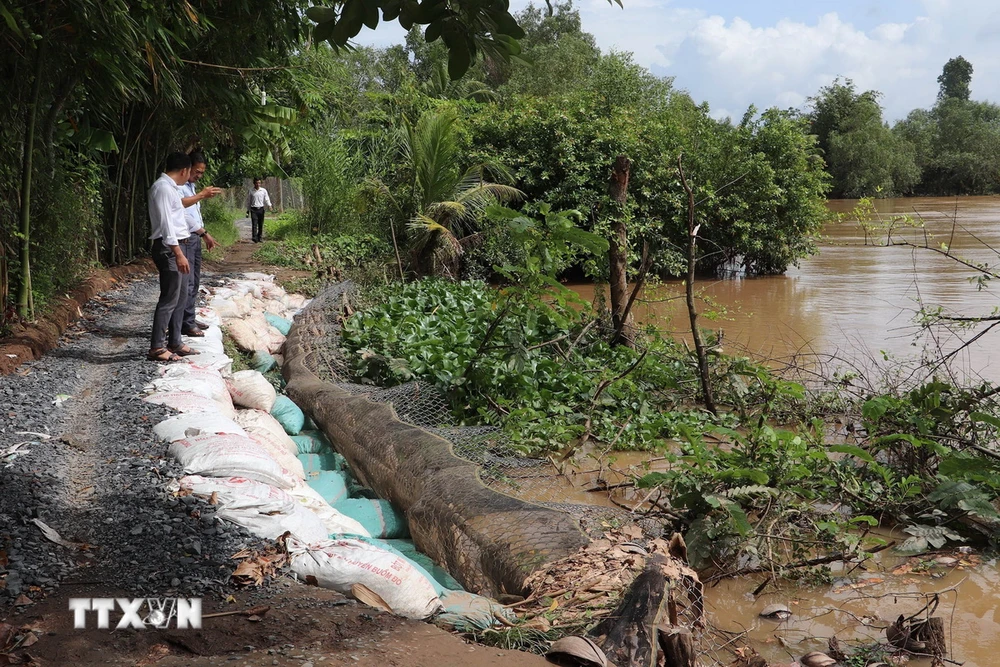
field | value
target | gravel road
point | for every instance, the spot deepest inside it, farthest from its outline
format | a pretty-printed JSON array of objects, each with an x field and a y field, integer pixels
[{"x": 97, "y": 476}]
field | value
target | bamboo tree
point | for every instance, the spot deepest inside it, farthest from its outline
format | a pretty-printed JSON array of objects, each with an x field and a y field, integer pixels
[{"x": 24, "y": 301}]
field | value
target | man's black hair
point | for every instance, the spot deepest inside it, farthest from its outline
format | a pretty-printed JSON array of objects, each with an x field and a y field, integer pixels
[
  {"x": 177, "y": 162},
  {"x": 197, "y": 157}
]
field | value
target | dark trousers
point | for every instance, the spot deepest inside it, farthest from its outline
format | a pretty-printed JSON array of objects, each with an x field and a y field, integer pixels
[
  {"x": 169, "y": 313},
  {"x": 193, "y": 253},
  {"x": 257, "y": 224}
]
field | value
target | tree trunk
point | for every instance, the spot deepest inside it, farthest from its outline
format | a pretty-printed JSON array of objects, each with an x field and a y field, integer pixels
[
  {"x": 24, "y": 300},
  {"x": 692, "y": 249},
  {"x": 645, "y": 629},
  {"x": 618, "y": 255}
]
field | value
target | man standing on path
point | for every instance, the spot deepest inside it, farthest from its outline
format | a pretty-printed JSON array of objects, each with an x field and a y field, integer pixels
[
  {"x": 257, "y": 199},
  {"x": 192, "y": 251},
  {"x": 169, "y": 236}
]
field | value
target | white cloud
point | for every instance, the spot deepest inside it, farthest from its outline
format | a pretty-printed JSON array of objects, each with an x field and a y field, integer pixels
[{"x": 734, "y": 61}]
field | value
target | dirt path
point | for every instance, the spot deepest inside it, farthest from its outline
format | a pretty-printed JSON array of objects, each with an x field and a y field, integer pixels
[{"x": 91, "y": 470}]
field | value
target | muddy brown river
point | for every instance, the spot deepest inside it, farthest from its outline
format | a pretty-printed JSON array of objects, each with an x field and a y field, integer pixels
[
  {"x": 851, "y": 302},
  {"x": 849, "y": 307}
]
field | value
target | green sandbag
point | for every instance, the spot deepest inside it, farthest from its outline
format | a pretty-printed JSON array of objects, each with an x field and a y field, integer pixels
[
  {"x": 468, "y": 612},
  {"x": 289, "y": 415},
  {"x": 279, "y": 323},
  {"x": 311, "y": 442},
  {"x": 438, "y": 573},
  {"x": 377, "y": 516},
  {"x": 330, "y": 484},
  {"x": 262, "y": 361},
  {"x": 313, "y": 464}
]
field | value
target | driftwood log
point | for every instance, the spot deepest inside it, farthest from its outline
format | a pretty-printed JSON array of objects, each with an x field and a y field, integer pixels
[{"x": 652, "y": 626}]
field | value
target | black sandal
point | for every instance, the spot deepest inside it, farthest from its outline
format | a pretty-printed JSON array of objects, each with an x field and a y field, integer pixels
[{"x": 183, "y": 351}]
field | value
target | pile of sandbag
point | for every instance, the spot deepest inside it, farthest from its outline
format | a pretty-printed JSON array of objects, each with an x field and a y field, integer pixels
[
  {"x": 257, "y": 314},
  {"x": 258, "y": 458}
]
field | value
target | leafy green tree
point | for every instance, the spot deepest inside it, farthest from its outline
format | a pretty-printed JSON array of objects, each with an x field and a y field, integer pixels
[
  {"x": 445, "y": 201},
  {"x": 863, "y": 155},
  {"x": 955, "y": 79}
]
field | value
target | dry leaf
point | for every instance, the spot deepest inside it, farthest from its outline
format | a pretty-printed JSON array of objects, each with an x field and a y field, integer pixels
[
  {"x": 23, "y": 601},
  {"x": 53, "y": 536}
]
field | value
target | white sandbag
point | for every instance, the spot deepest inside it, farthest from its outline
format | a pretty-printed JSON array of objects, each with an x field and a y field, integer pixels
[
  {"x": 229, "y": 456},
  {"x": 278, "y": 452},
  {"x": 275, "y": 339},
  {"x": 251, "y": 389},
  {"x": 203, "y": 344},
  {"x": 214, "y": 331},
  {"x": 274, "y": 291},
  {"x": 221, "y": 363},
  {"x": 196, "y": 424},
  {"x": 295, "y": 301},
  {"x": 192, "y": 379},
  {"x": 275, "y": 307},
  {"x": 185, "y": 401},
  {"x": 246, "y": 337},
  {"x": 257, "y": 275},
  {"x": 254, "y": 421},
  {"x": 224, "y": 307},
  {"x": 341, "y": 563},
  {"x": 208, "y": 316},
  {"x": 336, "y": 523},
  {"x": 239, "y": 493}
]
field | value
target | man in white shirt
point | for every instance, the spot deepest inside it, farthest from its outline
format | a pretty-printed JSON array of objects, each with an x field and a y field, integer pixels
[
  {"x": 169, "y": 236},
  {"x": 192, "y": 251},
  {"x": 257, "y": 199}
]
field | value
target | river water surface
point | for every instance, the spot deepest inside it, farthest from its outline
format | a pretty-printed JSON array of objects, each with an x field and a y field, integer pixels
[
  {"x": 849, "y": 306},
  {"x": 853, "y": 301}
]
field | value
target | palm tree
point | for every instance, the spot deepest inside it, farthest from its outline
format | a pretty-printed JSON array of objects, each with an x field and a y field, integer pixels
[{"x": 447, "y": 201}]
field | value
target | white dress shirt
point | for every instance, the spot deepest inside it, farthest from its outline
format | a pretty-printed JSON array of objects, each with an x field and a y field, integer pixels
[
  {"x": 258, "y": 199},
  {"x": 192, "y": 213},
  {"x": 166, "y": 212}
]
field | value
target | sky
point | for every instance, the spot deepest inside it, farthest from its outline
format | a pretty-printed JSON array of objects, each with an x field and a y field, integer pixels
[{"x": 780, "y": 52}]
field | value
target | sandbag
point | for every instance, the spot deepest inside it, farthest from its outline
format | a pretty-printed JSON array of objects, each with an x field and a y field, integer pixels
[
  {"x": 204, "y": 344},
  {"x": 330, "y": 485},
  {"x": 376, "y": 515},
  {"x": 275, "y": 340},
  {"x": 194, "y": 424},
  {"x": 209, "y": 316},
  {"x": 314, "y": 464},
  {"x": 311, "y": 442},
  {"x": 251, "y": 389},
  {"x": 224, "y": 308},
  {"x": 277, "y": 452},
  {"x": 339, "y": 564},
  {"x": 262, "y": 361},
  {"x": 337, "y": 524},
  {"x": 438, "y": 574},
  {"x": 239, "y": 493},
  {"x": 253, "y": 421},
  {"x": 246, "y": 338},
  {"x": 289, "y": 415},
  {"x": 467, "y": 612},
  {"x": 217, "y": 362},
  {"x": 279, "y": 323},
  {"x": 192, "y": 379},
  {"x": 299, "y": 521},
  {"x": 257, "y": 275},
  {"x": 229, "y": 456},
  {"x": 185, "y": 401}
]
